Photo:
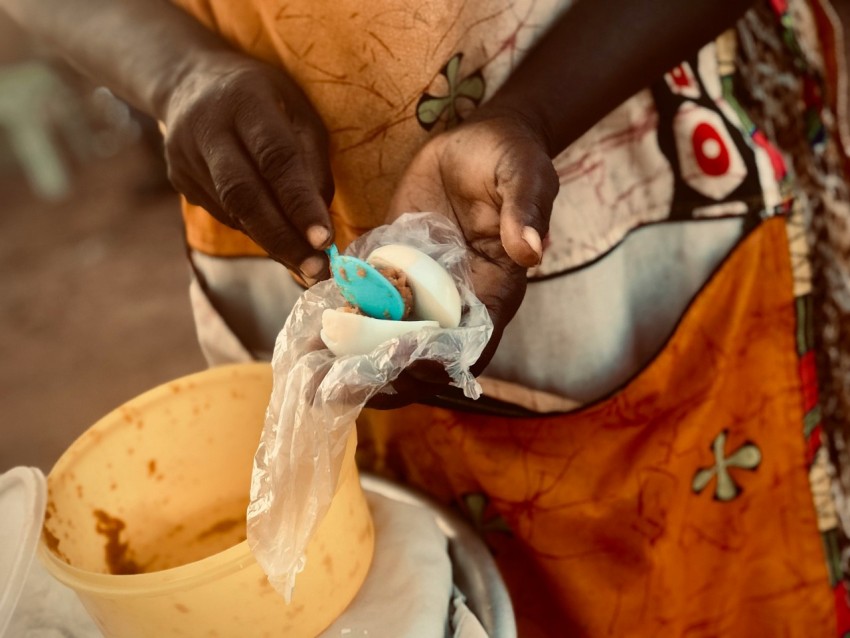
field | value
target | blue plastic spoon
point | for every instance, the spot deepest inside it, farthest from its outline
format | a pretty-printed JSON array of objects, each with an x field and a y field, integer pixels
[{"x": 364, "y": 287}]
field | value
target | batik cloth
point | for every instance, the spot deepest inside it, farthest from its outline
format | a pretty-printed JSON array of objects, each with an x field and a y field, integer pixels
[{"x": 650, "y": 457}]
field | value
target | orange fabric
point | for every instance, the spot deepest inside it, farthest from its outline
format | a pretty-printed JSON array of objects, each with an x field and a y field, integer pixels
[
  {"x": 364, "y": 67},
  {"x": 608, "y": 535},
  {"x": 208, "y": 235},
  {"x": 371, "y": 141}
]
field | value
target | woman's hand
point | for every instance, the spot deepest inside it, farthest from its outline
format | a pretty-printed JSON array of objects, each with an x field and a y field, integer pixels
[
  {"x": 243, "y": 142},
  {"x": 493, "y": 177},
  {"x": 492, "y": 174}
]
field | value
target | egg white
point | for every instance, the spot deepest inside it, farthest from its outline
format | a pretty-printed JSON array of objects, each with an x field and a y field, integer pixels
[
  {"x": 346, "y": 333},
  {"x": 435, "y": 296}
]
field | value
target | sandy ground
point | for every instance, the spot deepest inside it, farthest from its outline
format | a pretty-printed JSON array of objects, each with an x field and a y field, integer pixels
[{"x": 94, "y": 306}]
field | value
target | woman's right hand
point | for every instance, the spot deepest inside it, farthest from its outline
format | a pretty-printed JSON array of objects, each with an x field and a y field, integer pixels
[
  {"x": 241, "y": 138},
  {"x": 243, "y": 142}
]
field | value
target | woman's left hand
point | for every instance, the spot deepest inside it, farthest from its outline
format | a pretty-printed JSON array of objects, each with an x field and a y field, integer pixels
[{"x": 493, "y": 177}]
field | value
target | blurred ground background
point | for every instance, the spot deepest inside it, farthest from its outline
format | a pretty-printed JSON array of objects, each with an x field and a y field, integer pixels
[{"x": 93, "y": 280}]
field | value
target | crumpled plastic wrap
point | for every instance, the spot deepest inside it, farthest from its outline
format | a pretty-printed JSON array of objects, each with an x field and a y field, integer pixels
[{"x": 316, "y": 396}]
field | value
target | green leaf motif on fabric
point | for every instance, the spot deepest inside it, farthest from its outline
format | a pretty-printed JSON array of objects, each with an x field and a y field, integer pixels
[
  {"x": 429, "y": 111},
  {"x": 432, "y": 108},
  {"x": 475, "y": 504},
  {"x": 805, "y": 325},
  {"x": 746, "y": 457},
  {"x": 832, "y": 550}
]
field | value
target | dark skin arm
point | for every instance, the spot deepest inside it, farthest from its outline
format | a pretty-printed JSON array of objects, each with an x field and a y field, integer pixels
[
  {"x": 241, "y": 140},
  {"x": 602, "y": 52},
  {"x": 493, "y": 175}
]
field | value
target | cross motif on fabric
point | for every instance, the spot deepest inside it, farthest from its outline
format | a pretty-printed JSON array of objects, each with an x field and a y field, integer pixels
[
  {"x": 431, "y": 107},
  {"x": 746, "y": 457}
]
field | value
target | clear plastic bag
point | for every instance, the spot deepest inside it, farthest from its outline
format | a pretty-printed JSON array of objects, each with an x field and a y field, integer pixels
[{"x": 316, "y": 396}]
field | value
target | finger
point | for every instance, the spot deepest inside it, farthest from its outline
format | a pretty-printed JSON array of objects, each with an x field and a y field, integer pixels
[
  {"x": 500, "y": 285},
  {"x": 315, "y": 152},
  {"x": 192, "y": 180},
  {"x": 294, "y": 183},
  {"x": 428, "y": 371},
  {"x": 244, "y": 196},
  {"x": 528, "y": 187},
  {"x": 188, "y": 173},
  {"x": 409, "y": 388},
  {"x": 383, "y": 401}
]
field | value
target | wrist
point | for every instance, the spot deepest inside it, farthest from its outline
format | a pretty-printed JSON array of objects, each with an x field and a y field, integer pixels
[
  {"x": 187, "y": 77},
  {"x": 162, "y": 93},
  {"x": 532, "y": 121}
]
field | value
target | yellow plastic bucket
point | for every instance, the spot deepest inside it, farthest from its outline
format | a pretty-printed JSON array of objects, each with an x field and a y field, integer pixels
[{"x": 160, "y": 486}]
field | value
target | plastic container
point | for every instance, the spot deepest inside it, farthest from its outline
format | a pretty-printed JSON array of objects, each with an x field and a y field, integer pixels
[
  {"x": 22, "y": 497},
  {"x": 161, "y": 486}
]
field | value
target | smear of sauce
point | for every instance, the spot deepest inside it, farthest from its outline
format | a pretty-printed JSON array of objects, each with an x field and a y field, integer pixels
[
  {"x": 53, "y": 543},
  {"x": 117, "y": 553},
  {"x": 221, "y": 527},
  {"x": 50, "y": 539}
]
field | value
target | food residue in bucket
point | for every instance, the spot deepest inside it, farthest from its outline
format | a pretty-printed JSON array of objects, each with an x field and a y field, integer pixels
[
  {"x": 117, "y": 553},
  {"x": 193, "y": 537},
  {"x": 197, "y": 536},
  {"x": 223, "y": 527},
  {"x": 52, "y": 543},
  {"x": 50, "y": 539}
]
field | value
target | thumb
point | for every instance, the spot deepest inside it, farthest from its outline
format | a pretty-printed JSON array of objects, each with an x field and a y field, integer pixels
[{"x": 527, "y": 192}]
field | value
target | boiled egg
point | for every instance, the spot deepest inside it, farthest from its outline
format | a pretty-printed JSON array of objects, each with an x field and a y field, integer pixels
[
  {"x": 347, "y": 333},
  {"x": 436, "y": 304},
  {"x": 435, "y": 296}
]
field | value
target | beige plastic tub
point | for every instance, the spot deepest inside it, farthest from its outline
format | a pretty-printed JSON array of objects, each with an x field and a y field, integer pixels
[{"x": 160, "y": 486}]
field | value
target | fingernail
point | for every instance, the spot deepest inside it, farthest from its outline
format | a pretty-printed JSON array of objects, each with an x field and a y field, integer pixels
[
  {"x": 312, "y": 267},
  {"x": 318, "y": 236},
  {"x": 532, "y": 238}
]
